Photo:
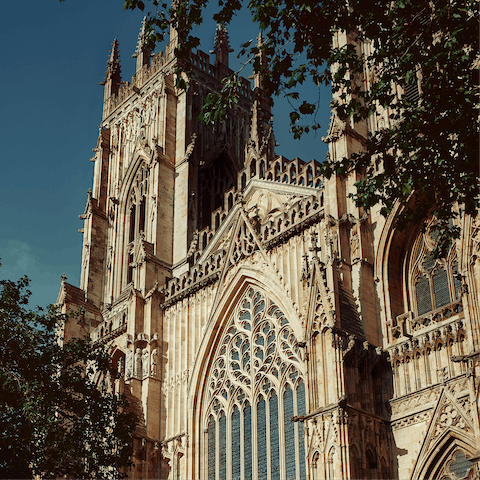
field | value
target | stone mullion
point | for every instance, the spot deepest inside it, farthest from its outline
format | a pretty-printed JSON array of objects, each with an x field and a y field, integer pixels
[
  {"x": 254, "y": 440},
  {"x": 174, "y": 368},
  {"x": 178, "y": 367},
  {"x": 167, "y": 372},
  {"x": 171, "y": 349},
  {"x": 267, "y": 440},
  {"x": 297, "y": 433},
  {"x": 281, "y": 433},
  {"x": 254, "y": 433},
  {"x": 183, "y": 363},
  {"x": 228, "y": 445},
  {"x": 242, "y": 443},
  {"x": 217, "y": 448}
]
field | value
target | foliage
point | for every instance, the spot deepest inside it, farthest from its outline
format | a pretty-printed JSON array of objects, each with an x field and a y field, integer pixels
[
  {"x": 427, "y": 149},
  {"x": 54, "y": 418}
]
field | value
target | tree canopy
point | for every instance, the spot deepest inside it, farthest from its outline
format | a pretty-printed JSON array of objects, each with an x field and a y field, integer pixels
[
  {"x": 55, "y": 417},
  {"x": 428, "y": 149}
]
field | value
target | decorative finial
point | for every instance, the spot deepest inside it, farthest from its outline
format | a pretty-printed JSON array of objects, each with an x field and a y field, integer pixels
[
  {"x": 89, "y": 193},
  {"x": 113, "y": 77},
  {"x": 63, "y": 277},
  {"x": 314, "y": 248},
  {"x": 305, "y": 268},
  {"x": 262, "y": 63},
  {"x": 142, "y": 53},
  {"x": 222, "y": 46}
]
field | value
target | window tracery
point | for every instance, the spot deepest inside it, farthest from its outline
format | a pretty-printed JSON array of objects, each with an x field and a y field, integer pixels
[
  {"x": 255, "y": 387},
  {"x": 434, "y": 283},
  {"x": 136, "y": 212},
  {"x": 458, "y": 467}
]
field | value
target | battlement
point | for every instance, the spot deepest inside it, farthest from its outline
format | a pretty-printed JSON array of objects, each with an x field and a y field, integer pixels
[
  {"x": 163, "y": 62},
  {"x": 281, "y": 170}
]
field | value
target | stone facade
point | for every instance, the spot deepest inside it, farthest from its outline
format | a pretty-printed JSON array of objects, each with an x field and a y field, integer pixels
[{"x": 264, "y": 326}]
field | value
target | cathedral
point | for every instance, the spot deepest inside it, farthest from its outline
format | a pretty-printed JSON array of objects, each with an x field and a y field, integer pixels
[{"x": 263, "y": 325}]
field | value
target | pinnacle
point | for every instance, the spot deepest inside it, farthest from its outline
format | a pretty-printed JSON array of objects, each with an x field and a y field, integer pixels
[
  {"x": 114, "y": 53},
  {"x": 141, "y": 38},
  {"x": 113, "y": 64},
  {"x": 222, "y": 47},
  {"x": 221, "y": 38}
]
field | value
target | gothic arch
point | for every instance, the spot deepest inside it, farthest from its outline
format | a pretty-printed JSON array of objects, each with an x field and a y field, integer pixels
[
  {"x": 240, "y": 398},
  {"x": 216, "y": 176},
  {"x": 391, "y": 277},
  {"x": 130, "y": 175},
  {"x": 453, "y": 440},
  {"x": 124, "y": 204},
  {"x": 430, "y": 284}
]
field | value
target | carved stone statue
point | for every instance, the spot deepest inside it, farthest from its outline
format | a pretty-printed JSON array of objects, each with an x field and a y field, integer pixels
[
  {"x": 145, "y": 362},
  {"x": 120, "y": 365},
  {"x": 138, "y": 363},
  {"x": 153, "y": 362}
]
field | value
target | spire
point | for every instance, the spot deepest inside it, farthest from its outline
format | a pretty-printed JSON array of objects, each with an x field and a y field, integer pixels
[
  {"x": 258, "y": 83},
  {"x": 113, "y": 77},
  {"x": 142, "y": 53},
  {"x": 222, "y": 47}
]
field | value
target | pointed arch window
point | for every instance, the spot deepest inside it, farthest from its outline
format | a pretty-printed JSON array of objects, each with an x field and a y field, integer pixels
[
  {"x": 136, "y": 214},
  {"x": 434, "y": 283},
  {"x": 256, "y": 384},
  {"x": 457, "y": 467},
  {"x": 137, "y": 204}
]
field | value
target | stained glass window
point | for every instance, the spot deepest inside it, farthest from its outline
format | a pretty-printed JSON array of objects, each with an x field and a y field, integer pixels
[
  {"x": 435, "y": 282},
  {"x": 236, "y": 444},
  {"x": 274, "y": 439},
  {"x": 222, "y": 457},
  {"x": 289, "y": 434},
  {"x": 460, "y": 466},
  {"x": 424, "y": 297},
  {"x": 301, "y": 411},
  {"x": 211, "y": 449},
  {"x": 258, "y": 359},
  {"x": 247, "y": 442},
  {"x": 262, "y": 440}
]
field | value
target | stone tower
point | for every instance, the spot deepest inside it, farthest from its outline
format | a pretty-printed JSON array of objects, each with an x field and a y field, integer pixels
[{"x": 264, "y": 325}]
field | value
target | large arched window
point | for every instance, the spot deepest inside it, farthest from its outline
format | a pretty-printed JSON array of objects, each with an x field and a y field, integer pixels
[
  {"x": 255, "y": 387},
  {"x": 434, "y": 283},
  {"x": 136, "y": 213}
]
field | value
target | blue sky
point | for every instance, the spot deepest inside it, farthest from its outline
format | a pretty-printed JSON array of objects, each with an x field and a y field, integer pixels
[{"x": 54, "y": 56}]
